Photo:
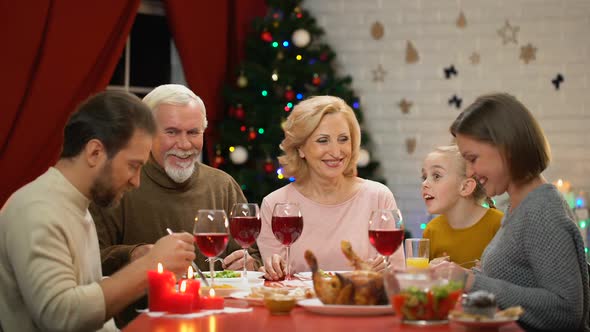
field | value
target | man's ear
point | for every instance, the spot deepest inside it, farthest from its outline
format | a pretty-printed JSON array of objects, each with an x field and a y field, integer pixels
[
  {"x": 94, "y": 153},
  {"x": 301, "y": 154},
  {"x": 467, "y": 187}
]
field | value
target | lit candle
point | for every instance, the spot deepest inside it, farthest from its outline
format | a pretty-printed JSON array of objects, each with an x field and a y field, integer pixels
[
  {"x": 161, "y": 285},
  {"x": 211, "y": 302},
  {"x": 559, "y": 185},
  {"x": 193, "y": 286},
  {"x": 562, "y": 186},
  {"x": 181, "y": 302}
]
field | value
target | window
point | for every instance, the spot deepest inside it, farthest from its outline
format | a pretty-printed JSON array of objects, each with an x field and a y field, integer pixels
[{"x": 150, "y": 57}]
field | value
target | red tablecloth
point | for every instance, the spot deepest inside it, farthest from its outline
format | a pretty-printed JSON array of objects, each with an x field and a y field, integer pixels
[{"x": 298, "y": 320}]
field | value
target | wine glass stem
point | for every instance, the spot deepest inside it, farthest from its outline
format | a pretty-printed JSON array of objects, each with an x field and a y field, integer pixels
[
  {"x": 212, "y": 270},
  {"x": 385, "y": 261},
  {"x": 288, "y": 274},
  {"x": 244, "y": 275}
]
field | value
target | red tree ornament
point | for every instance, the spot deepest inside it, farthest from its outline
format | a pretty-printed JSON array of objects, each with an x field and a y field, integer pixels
[
  {"x": 316, "y": 80},
  {"x": 289, "y": 94},
  {"x": 268, "y": 167},
  {"x": 266, "y": 36},
  {"x": 218, "y": 161},
  {"x": 239, "y": 112},
  {"x": 252, "y": 134}
]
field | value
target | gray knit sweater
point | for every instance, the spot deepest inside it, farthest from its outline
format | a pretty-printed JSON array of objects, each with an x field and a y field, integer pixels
[{"x": 537, "y": 260}]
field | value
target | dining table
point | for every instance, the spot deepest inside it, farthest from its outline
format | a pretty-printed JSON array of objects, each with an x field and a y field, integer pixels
[{"x": 260, "y": 319}]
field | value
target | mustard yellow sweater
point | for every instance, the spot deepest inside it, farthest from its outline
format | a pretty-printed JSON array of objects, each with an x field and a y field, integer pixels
[{"x": 462, "y": 245}]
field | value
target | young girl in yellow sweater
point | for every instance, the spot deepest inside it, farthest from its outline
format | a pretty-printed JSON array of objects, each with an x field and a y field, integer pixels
[{"x": 464, "y": 227}]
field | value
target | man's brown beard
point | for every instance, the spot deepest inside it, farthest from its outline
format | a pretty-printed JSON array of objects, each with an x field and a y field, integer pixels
[{"x": 102, "y": 192}]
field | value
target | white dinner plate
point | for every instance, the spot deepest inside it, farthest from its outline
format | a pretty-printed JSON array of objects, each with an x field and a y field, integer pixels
[
  {"x": 223, "y": 292},
  {"x": 482, "y": 323},
  {"x": 299, "y": 293},
  {"x": 254, "y": 277},
  {"x": 307, "y": 275},
  {"x": 245, "y": 295},
  {"x": 316, "y": 306}
]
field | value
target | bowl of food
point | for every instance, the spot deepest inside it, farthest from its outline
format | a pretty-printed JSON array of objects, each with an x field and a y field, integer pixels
[
  {"x": 425, "y": 297},
  {"x": 279, "y": 304}
]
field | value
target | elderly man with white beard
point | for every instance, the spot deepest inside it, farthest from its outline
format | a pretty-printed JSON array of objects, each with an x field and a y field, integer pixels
[{"x": 174, "y": 186}]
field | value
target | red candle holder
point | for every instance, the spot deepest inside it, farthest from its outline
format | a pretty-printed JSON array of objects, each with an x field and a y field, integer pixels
[
  {"x": 181, "y": 302},
  {"x": 161, "y": 285},
  {"x": 211, "y": 302},
  {"x": 193, "y": 286}
]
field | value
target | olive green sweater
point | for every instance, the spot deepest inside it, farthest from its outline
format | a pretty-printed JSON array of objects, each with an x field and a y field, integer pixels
[{"x": 160, "y": 203}]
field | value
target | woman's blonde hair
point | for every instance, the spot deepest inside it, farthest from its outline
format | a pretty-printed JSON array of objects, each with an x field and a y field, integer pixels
[
  {"x": 303, "y": 120},
  {"x": 479, "y": 193}
]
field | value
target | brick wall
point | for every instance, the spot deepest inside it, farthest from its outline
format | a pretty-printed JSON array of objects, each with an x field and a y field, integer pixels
[{"x": 559, "y": 29}]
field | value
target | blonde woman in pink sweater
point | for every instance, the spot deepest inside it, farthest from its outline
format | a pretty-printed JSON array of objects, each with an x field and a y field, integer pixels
[{"x": 321, "y": 148}]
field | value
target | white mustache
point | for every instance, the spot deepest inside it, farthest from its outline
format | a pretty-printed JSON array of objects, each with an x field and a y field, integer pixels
[{"x": 181, "y": 153}]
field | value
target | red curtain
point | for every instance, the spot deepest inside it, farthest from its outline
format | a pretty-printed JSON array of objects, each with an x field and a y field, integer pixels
[
  {"x": 54, "y": 55},
  {"x": 210, "y": 38}
]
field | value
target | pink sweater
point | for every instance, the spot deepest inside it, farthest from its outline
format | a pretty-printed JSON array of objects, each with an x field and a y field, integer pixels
[{"x": 324, "y": 226}]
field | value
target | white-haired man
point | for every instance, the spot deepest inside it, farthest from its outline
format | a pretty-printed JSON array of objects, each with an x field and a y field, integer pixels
[{"x": 174, "y": 186}]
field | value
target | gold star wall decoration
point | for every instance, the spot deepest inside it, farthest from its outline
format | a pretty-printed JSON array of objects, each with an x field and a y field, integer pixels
[
  {"x": 475, "y": 58},
  {"x": 411, "y": 53},
  {"x": 410, "y": 145},
  {"x": 508, "y": 33},
  {"x": 405, "y": 106},
  {"x": 461, "y": 21},
  {"x": 528, "y": 53},
  {"x": 379, "y": 74},
  {"x": 377, "y": 30}
]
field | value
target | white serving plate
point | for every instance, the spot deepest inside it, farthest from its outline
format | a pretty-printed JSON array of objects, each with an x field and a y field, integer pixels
[{"x": 316, "y": 306}]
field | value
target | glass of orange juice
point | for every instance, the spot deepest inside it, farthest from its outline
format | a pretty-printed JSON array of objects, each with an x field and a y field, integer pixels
[{"x": 417, "y": 253}]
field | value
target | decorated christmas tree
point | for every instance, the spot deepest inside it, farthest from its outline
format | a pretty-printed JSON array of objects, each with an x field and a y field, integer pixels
[{"x": 286, "y": 61}]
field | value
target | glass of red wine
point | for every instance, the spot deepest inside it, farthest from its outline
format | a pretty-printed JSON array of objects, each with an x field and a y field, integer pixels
[
  {"x": 211, "y": 235},
  {"x": 244, "y": 227},
  {"x": 386, "y": 232},
  {"x": 287, "y": 225}
]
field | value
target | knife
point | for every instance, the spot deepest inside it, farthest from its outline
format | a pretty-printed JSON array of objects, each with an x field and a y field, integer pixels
[{"x": 195, "y": 267}]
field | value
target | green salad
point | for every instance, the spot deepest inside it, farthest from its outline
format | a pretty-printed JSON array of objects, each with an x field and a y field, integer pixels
[{"x": 224, "y": 274}]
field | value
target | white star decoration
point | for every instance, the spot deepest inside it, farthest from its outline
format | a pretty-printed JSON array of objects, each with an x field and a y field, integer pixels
[
  {"x": 379, "y": 74},
  {"x": 475, "y": 58},
  {"x": 508, "y": 33}
]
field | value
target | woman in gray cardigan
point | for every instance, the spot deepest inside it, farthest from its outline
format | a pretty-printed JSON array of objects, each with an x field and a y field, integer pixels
[{"x": 537, "y": 259}]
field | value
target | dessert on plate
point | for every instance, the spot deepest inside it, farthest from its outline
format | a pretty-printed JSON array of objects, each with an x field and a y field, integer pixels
[{"x": 481, "y": 303}]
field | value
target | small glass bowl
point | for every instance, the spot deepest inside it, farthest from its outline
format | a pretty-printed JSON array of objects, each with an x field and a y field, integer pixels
[
  {"x": 425, "y": 296},
  {"x": 279, "y": 304}
]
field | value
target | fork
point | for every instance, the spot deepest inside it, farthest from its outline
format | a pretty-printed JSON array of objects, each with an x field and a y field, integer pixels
[
  {"x": 195, "y": 267},
  {"x": 469, "y": 262}
]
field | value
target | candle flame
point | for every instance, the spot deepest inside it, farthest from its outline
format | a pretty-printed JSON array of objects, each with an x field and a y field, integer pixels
[
  {"x": 160, "y": 268},
  {"x": 211, "y": 292},
  {"x": 189, "y": 273},
  {"x": 559, "y": 182},
  {"x": 183, "y": 286}
]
